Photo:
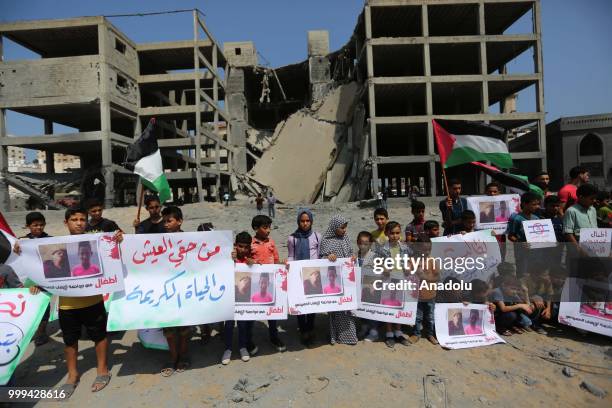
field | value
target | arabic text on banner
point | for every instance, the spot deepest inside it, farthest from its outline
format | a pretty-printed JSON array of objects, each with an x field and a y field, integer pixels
[
  {"x": 596, "y": 241},
  {"x": 260, "y": 292},
  {"x": 176, "y": 279},
  {"x": 388, "y": 305},
  {"x": 593, "y": 312},
  {"x": 540, "y": 233},
  {"x": 20, "y": 315},
  {"x": 478, "y": 244},
  {"x": 319, "y": 286},
  {"x": 493, "y": 212},
  {"x": 462, "y": 326},
  {"x": 72, "y": 265}
]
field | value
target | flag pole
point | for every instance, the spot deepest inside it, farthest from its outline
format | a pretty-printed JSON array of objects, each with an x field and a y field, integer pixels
[{"x": 141, "y": 199}]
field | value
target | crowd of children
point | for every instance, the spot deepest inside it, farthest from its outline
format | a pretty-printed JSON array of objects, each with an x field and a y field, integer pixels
[{"x": 520, "y": 299}]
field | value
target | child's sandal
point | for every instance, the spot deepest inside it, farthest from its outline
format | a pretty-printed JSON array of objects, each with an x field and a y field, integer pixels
[
  {"x": 506, "y": 333},
  {"x": 168, "y": 369}
]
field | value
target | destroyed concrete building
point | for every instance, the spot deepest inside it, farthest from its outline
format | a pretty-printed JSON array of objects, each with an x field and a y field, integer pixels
[
  {"x": 338, "y": 126},
  {"x": 93, "y": 78}
]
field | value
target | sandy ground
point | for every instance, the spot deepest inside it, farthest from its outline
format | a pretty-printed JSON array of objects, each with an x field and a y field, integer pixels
[{"x": 369, "y": 374}]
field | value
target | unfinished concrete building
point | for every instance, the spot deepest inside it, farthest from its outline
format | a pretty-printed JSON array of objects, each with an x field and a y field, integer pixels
[
  {"x": 447, "y": 59},
  {"x": 93, "y": 78},
  {"x": 339, "y": 126}
]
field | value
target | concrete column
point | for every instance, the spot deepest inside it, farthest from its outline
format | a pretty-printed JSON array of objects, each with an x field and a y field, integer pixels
[
  {"x": 215, "y": 61},
  {"x": 5, "y": 204},
  {"x": 539, "y": 69},
  {"x": 105, "y": 118},
  {"x": 238, "y": 111},
  {"x": 198, "y": 107},
  {"x": 433, "y": 189},
  {"x": 49, "y": 156},
  {"x": 483, "y": 58},
  {"x": 319, "y": 67}
]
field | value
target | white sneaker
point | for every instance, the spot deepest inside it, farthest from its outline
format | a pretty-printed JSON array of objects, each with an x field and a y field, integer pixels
[
  {"x": 372, "y": 337},
  {"x": 244, "y": 355},
  {"x": 227, "y": 357}
]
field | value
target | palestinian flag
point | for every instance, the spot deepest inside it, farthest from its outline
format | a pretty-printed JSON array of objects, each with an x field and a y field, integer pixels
[
  {"x": 513, "y": 181},
  {"x": 7, "y": 240},
  {"x": 461, "y": 142},
  {"x": 144, "y": 159}
]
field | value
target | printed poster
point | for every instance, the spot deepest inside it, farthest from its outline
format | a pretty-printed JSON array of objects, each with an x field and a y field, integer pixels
[
  {"x": 596, "y": 241},
  {"x": 72, "y": 265},
  {"x": 493, "y": 212},
  {"x": 20, "y": 315},
  {"x": 319, "y": 286},
  {"x": 260, "y": 292},
  {"x": 540, "y": 233},
  {"x": 594, "y": 310},
  {"x": 461, "y": 326},
  {"x": 179, "y": 279},
  {"x": 470, "y": 256},
  {"x": 386, "y": 305}
]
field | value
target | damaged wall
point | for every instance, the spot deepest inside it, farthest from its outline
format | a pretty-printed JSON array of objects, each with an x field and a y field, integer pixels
[{"x": 306, "y": 145}]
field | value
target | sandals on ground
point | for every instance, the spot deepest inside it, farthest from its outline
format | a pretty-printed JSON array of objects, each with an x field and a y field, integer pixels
[
  {"x": 168, "y": 369},
  {"x": 100, "y": 382},
  {"x": 66, "y": 390}
]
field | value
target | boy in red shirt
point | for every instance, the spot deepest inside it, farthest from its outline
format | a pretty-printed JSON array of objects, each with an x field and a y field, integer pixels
[{"x": 263, "y": 251}]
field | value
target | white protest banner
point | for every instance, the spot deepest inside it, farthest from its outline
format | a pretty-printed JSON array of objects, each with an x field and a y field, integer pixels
[
  {"x": 596, "y": 241},
  {"x": 20, "y": 315},
  {"x": 462, "y": 326},
  {"x": 540, "y": 233},
  {"x": 493, "y": 212},
  {"x": 153, "y": 339},
  {"x": 317, "y": 286},
  {"x": 396, "y": 304},
  {"x": 72, "y": 265},
  {"x": 593, "y": 312},
  {"x": 260, "y": 292},
  {"x": 470, "y": 256},
  {"x": 176, "y": 279}
]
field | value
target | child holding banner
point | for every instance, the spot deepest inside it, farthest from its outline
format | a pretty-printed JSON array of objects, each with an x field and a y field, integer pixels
[
  {"x": 241, "y": 254},
  {"x": 336, "y": 244},
  {"x": 391, "y": 249},
  {"x": 427, "y": 299},
  {"x": 36, "y": 223},
  {"x": 178, "y": 336},
  {"x": 530, "y": 203},
  {"x": 76, "y": 312},
  {"x": 263, "y": 250},
  {"x": 304, "y": 244}
]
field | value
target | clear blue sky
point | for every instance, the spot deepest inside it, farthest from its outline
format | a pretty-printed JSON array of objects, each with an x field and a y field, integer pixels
[{"x": 577, "y": 39}]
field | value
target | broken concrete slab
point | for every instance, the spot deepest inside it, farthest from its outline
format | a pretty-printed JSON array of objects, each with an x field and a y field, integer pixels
[
  {"x": 295, "y": 166},
  {"x": 339, "y": 104}
]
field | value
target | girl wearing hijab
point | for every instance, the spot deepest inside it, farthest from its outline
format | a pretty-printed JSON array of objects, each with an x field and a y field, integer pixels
[
  {"x": 304, "y": 244},
  {"x": 336, "y": 244}
]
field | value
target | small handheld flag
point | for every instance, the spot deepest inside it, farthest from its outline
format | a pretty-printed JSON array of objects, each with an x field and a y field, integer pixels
[{"x": 144, "y": 158}]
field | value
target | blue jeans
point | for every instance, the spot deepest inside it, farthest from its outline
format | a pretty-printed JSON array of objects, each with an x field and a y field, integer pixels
[
  {"x": 425, "y": 316},
  {"x": 245, "y": 329},
  {"x": 271, "y": 211}
]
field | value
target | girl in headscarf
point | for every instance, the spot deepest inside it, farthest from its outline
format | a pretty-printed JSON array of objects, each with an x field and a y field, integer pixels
[
  {"x": 304, "y": 244},
  {"x": 336, "y": 244}
]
